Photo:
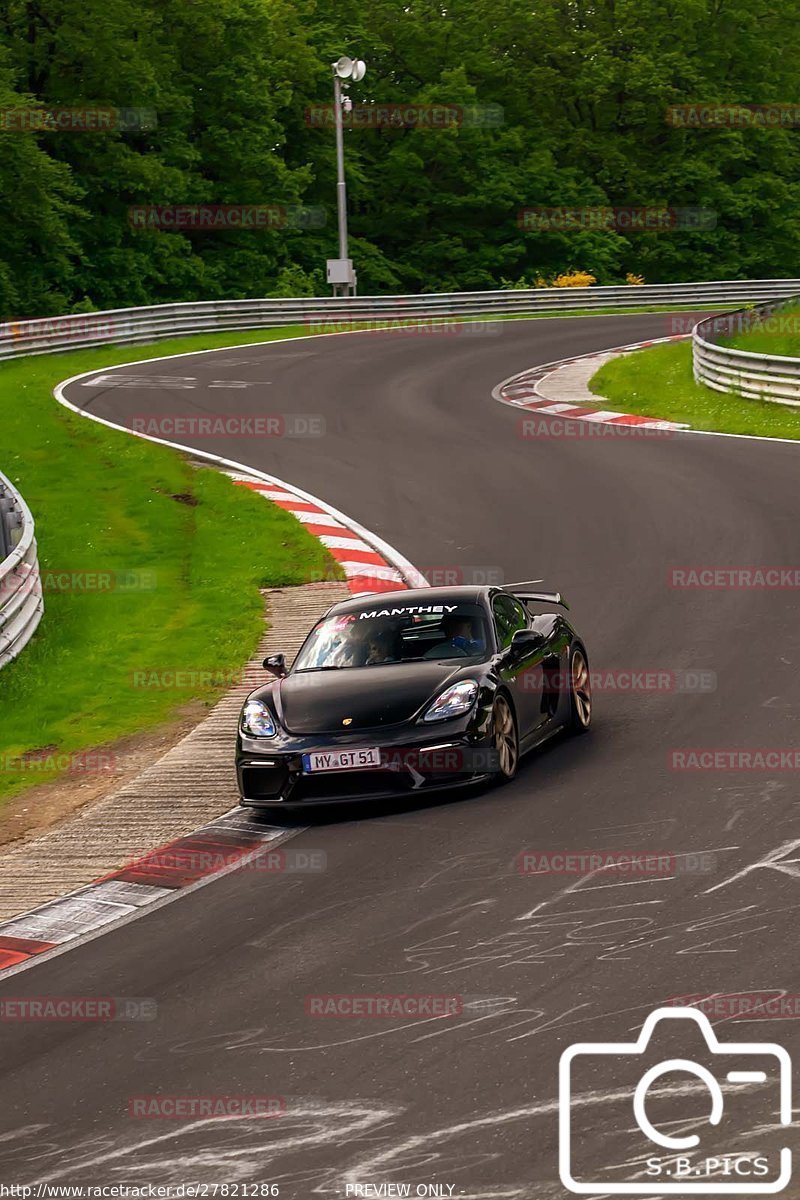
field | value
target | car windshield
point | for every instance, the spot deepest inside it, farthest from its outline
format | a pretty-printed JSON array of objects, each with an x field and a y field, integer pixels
[{"x": 403, "y": 633}]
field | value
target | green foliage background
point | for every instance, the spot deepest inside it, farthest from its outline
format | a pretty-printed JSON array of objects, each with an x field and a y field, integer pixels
[{"x": 584, "y": 89}]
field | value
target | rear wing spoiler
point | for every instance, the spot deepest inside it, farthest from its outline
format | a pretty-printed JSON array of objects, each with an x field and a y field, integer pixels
[{"x": 525, "y": 591}]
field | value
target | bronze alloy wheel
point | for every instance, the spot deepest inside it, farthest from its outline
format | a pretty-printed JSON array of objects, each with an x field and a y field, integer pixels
[
  {"x": 504, "y": 736},
  {"x": 580, "y": 692}
]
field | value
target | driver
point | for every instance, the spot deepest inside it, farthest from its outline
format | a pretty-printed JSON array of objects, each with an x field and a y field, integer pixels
[{"x": 460, "y": 634}]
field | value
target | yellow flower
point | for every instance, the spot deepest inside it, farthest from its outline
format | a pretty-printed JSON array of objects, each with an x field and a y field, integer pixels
[{"x": 574, "y": 279}]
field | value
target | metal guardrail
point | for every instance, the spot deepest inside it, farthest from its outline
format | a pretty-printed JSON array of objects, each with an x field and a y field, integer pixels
[
  {"x": 756, "y": 376},
  {"x": 125, "y": 325},
  {"x": 21, "y": 601}
]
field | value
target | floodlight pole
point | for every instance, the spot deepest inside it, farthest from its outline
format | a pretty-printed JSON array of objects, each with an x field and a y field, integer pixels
[
  {"x": 341, "y": 186},
  {"x": 340, "y": 270}
]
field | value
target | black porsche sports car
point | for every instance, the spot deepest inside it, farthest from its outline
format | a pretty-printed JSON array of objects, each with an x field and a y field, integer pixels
[{"x": 404, "y": 691}]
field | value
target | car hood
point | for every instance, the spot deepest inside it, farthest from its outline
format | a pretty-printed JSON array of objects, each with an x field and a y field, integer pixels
[{"x": 312, "y": 702}]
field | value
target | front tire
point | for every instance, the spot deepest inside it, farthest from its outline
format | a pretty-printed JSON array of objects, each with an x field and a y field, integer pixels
[
  {"x": 580, "y": 692},
  {"x": 505, "y": 740}
]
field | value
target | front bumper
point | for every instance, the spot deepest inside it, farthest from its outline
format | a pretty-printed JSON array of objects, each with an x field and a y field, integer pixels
[{"x": 274, "y": 777}]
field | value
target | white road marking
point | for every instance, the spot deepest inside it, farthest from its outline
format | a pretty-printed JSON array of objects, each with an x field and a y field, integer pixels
[{"x": 177, "y": 382}]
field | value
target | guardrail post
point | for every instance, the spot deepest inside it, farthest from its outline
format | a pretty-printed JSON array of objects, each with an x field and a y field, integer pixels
[
  {"x": 6, "y": 504},
  {"x": 21, "y": 601}
]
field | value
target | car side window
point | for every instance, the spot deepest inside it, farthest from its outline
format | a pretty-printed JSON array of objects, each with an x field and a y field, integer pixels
[{"x": 509, "y": 616}]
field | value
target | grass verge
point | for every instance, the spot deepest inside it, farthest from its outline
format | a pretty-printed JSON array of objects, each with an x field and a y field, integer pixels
[
  {"x": 658, "y": 383},
  {"x": 776, "y": 334},
  {"x": 111, "y": 505},
  {"x": 173, "y": 595}
]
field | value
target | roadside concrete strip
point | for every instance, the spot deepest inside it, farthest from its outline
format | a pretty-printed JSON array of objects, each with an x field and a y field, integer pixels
[
  {"x": 570, "y": 383},
  {"x": 141, "y": 844},
  {"x": 192, "y": 784},
  {"x": 561, "y": 389}
]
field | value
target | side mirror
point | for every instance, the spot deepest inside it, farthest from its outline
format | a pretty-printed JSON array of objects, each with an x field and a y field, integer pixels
[
  {"x": 526, "y": 641},
  {"x": 276, "y": 663}
]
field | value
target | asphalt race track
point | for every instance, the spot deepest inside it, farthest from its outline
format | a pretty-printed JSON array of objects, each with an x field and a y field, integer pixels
[{"x": 429, "y": 901}]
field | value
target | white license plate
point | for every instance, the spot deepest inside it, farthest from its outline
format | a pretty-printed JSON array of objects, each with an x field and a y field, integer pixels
[{"x": 341, "y": 760}]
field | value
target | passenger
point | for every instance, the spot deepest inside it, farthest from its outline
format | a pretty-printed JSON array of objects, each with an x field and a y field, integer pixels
[{"x": 368, "y": 645}]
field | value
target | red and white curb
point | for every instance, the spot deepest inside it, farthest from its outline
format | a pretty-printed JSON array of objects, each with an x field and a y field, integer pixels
[
  {"x": 523, "y": 391},
  {"x": 368, "y": 563},
  {"x": 227, "y": 844},
  {"x": 233, "y": 840},
  {"x": 184, "y": 864}
]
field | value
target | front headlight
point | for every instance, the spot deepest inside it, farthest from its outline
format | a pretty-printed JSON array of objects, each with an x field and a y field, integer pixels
[
  {"x": 257, "y": 720},
  {"x": 453, "y": 702}
]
